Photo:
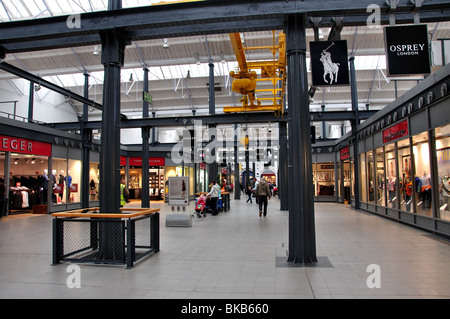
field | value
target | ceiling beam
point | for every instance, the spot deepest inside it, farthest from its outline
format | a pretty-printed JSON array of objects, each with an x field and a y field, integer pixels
[
  {"x": 207, "y": 17},
  {"x": 51, "y": 86},
  {"x": 217, "y": 119}
]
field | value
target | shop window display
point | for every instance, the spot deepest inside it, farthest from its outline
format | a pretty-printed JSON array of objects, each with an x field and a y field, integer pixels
[
  {"x": 314, "y": 167},
  {"x": 391, "y": 176},
  {"x": 352, "y": 177},
  {"x": 380, "y": 177},
  {"x": 27, "y": 182},
  {"x": 325, "y": 179},
  {"x": 405, "y": 179},
  {"x": 371, "y": 180},
  {"x": 64, "y": 181},
  {"x": 363, "y": 179},
  {"x": 94, "y": 181},
  {"x": 443, "y": 165},
  {"x": 422, "y": 178},
  {"x": 347, "y": 183}
]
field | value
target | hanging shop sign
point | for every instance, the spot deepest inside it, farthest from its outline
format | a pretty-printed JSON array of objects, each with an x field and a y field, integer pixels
[
  {"x": 152, "y": 161},
  {"x": 345, "y": 153},
  {"x": 407, "y": 50},
  {"x": 395, "y": 132},
  {"x": 329, "y": 63},
  {"x": 24, "y": 146}
]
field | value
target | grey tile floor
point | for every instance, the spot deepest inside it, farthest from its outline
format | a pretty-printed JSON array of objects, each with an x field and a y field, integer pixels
[{"x": 237, "y": 255}]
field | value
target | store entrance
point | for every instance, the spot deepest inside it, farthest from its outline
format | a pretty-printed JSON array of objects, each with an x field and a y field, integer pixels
[
  {"x": 26, "y": 188},
  {"x": 134, "y": 182}
]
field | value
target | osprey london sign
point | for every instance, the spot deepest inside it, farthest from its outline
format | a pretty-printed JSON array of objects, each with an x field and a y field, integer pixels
[
  {"x": 407, "y": 50},
  {"x": 329, "y": 63}
]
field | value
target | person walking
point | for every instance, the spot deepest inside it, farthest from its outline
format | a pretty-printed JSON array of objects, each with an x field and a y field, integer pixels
[
  {"x": 214, "y": 196},
  {"x": 255, "y": 187},
  {"x": 249, "y": 193},
  {"x": 124, "y": 194},
  {"x": 263, "y": 193}
]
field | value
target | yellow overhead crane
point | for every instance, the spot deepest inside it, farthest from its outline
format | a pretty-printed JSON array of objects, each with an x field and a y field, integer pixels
[{"x": 245, "y": 79}]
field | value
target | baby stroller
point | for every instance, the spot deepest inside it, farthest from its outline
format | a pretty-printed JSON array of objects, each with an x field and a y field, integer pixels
[
  {"x": 220, "y": 204},
  {"x": 200, "y": 206}
]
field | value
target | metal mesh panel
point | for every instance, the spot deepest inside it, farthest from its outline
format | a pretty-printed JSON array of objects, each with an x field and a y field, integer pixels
[
  {"x": 76, "y": 236},
  {"x": 142, "y": 236}
]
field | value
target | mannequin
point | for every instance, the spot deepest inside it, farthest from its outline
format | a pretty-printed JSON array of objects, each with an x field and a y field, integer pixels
[
  {"x": 68, "y": 179},
  {"x": 43, "y": 187},
  {"x": 426, "y": 190},
  {"x": 61, "y": 182},
  {"x": 426, "y": 179},
  {"x": 391, "y": 189},
  {"x": 53, "y": 186}
]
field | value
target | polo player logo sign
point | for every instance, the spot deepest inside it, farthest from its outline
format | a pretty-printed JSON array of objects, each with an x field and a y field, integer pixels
[
  {"x": 329, "y": 63},
  {"x": 329, "y": 68}
]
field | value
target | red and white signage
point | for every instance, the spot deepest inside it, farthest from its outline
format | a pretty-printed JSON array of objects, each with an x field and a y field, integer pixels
[
  {"x": 345, "y": 153},
  {"x": 24, "y": 146},
  {"x": 152, "y": 161},
  {"x": 395, "y": 132}
]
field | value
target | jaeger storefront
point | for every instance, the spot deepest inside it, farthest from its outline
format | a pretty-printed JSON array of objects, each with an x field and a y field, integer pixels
[{"x": 41, "y": 168}]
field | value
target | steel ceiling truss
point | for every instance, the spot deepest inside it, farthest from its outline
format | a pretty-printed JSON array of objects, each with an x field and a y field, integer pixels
[{"x": 206, "y": 17}]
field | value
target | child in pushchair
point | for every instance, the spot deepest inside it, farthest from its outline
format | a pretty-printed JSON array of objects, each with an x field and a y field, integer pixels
[{"x": 200, "y": 206}]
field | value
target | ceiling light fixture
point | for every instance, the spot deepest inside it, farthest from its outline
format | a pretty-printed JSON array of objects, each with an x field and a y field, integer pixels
[
  {"x": 166, "y": 44},
  {"x": 197, "y": 58},
  {"x": 321, "y": 34},
  {"x": 37, "y": 87},
  {"x": 95, "y": 51}
]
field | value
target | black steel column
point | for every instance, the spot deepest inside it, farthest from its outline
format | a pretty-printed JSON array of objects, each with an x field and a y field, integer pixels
[
  {"x": 111, "y": 233},
  {"x": 154, "y": 130},
  {"x": 213, "y": 167},
  {"x": 247, "y": 163},
  {"x": 113, "y": 49},
  {"x": 355, "y": 123},
  {"x": 212, "y": 97},
  {"x": 114, "y": 4},
  {"x": 302, "y": 244},
  {"x": 145, "y": 196},
  {"x": 31, "y": 102},
  {"x": 283, "y": 168},
  {"x": 324, "y": 125},
  {"x": 237, "y": 182},
  {"x": 86, "y": 135}
]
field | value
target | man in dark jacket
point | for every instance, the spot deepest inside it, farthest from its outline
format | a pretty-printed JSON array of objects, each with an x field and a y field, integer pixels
[{"x": 263, "y": 193}]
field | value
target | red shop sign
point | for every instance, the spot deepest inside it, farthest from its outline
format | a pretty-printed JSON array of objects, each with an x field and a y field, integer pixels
[
  {"x": 24, "y": 146},
  {"x": 152, "y": 161},
  {"x": 395, "y": 132},
  {"x": 345, "y": 153}
]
